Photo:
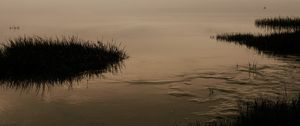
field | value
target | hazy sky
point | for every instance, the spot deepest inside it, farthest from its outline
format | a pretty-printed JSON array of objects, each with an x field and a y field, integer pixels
[{"x": 27, "y": 7}]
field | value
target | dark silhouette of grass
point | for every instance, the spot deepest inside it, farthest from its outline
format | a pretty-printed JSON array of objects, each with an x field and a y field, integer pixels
[
  {"x": 263, "y": 112},
  {"x": 38, "y": 62},
  {"x": 285, "y": 41},
  {"x": 279, "y": 24}
]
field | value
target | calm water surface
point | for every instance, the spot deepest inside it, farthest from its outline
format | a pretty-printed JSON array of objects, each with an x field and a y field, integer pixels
[{"x": 175, "y": 74}]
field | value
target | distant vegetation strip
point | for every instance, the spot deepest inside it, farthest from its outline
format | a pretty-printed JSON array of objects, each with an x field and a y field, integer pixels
[
  {"x": 279, "y": 24},
  {"x": 287, "y": 43},
  {"x": 284, "y": 38}
]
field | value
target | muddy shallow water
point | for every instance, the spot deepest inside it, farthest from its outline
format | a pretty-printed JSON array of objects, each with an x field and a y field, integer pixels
[{"x": 175, "y": 74}]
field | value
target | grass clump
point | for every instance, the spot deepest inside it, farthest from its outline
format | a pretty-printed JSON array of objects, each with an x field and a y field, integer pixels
[
  {"x": 35, "y": 59},
  {"x": 263, "y": 112},
  {"x": 266, "y": 112}
]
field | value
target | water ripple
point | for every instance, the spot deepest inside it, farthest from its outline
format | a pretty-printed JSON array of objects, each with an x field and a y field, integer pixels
[{"x": 230, "y": 85}]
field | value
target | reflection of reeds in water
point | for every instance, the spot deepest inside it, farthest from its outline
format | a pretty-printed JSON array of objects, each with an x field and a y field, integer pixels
[
  {"x": 279, "y": 24},
  {"x": 284, "y": 42},
  {"x": 42, "y": 62}
]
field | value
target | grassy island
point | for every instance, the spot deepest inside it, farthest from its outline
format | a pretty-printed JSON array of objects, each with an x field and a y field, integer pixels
[{"x": 36, "y": 60}]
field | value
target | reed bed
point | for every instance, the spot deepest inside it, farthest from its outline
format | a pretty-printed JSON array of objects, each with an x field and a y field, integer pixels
[
  {"x": 279, "y": 24},
  {"x": 266, "y": 112},
  {"x": 33, "y": 61},
  {"x": 287, "y": 43},
  {"x": 262, "y": 112}
]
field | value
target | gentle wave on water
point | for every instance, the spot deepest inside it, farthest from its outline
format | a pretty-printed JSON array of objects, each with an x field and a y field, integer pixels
[{"x": 230, "y": 86}]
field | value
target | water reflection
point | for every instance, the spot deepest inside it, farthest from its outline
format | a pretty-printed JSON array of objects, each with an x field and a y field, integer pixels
[
  {"x": 62, "y": 79},
  {"x": 40, "y": 63}
]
